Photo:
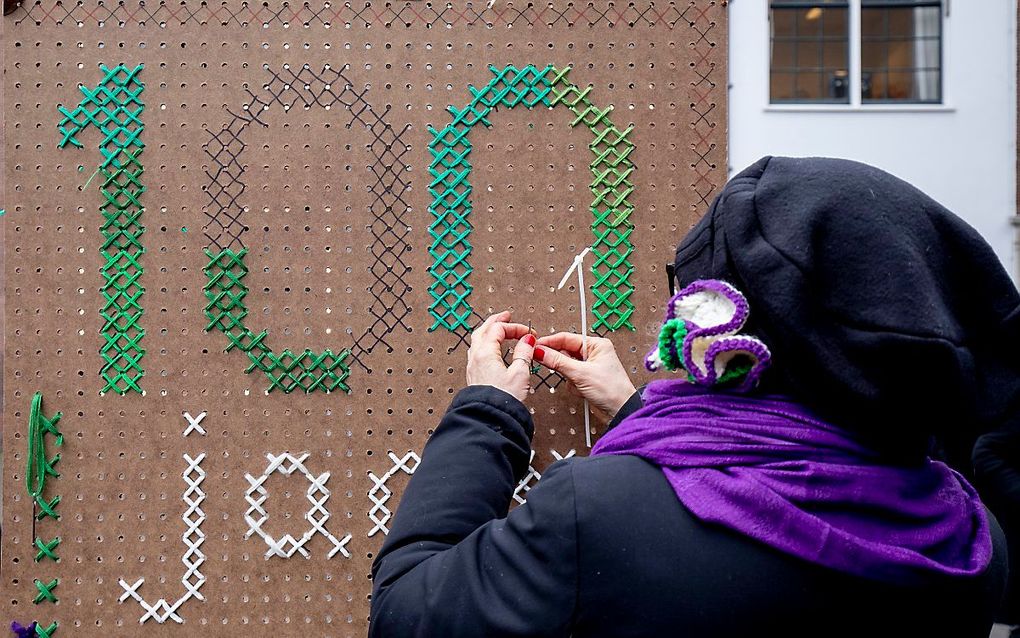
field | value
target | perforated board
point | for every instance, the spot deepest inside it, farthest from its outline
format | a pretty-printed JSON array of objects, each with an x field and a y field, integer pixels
[{"x": 295, "y": 192}]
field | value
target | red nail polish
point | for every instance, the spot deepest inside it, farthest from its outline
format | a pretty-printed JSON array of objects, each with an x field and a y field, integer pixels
[
  {"x": 529, "y": 339},
  {"x": 539, "y": 354}
]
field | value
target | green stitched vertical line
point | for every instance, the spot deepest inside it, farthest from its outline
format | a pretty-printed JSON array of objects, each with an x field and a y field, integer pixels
[
  {"x": 307, "y": 371},
  {"x": 38, "y": 467},
  {"x": 45, "y": 591},
  {"x": 115, "y": 108},
  {"x": 450, "y": 190}
]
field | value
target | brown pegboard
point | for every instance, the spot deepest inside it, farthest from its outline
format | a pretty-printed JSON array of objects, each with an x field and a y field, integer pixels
[{"x": 317, "y": 222}]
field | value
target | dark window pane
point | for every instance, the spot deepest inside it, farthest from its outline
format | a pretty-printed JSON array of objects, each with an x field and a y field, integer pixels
[
  {"x": 900, "y": 3},
  {"x": 901, "y": 86},
  {"x": 835, "y": 23},
  {"x": 784, "y": 22},
  {"x": 782, "y": 55},
  {"x": 782, "y": 86},
  {"x": 809, "y": 52},
  {"x": 810, "y": 87},
  {"x": 874, "y": 54},
  {"x": 809, "y": 22},
  {"x": 901, "y": 51},
  {"x": 835, "y": 55},
  {"x": 809, "y": 55}
]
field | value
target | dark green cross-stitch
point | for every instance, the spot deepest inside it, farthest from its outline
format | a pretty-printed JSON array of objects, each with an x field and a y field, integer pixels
[
  {"x": 45, "y": 632},
  {"x": 225, "y": 291},
  {"x": 45, "y": 591},
  {"x": 450, "y": 189},
  {"x": 115, "y": 108},
  {"x": 37, "y": 468},
  {"x": 47, "y": 550}
]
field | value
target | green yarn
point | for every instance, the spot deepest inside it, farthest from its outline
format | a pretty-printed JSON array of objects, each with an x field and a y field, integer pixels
[
  {"x": 307, "y": 371},
  {"x": 38, "y": 467},
  {"x": 47, "y": 632},
  {"x": 451, "y": 205},
  {"x": 47, "y": 550},
  {"x": 47, "y": 509},
  {"x": 672, "y": 333},
  {"x": 115, "y": 108},
  {"x": 45, "y": 591},
  {"x": 735, "y": 371}
]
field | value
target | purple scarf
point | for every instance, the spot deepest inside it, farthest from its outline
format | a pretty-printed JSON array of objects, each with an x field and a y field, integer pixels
[{"x": 765, "y": 467}]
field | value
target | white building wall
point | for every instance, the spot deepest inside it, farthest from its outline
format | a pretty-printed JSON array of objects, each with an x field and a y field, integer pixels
[{"x": 963, "y": 153}]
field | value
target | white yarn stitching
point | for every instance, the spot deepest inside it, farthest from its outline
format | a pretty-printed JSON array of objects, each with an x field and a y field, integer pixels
[
  {"x": 525, "y": 485},
  {"x": 559, "y": 457},
  {"x": 379, "y": 494},
  {"x": 316, "y": 516},
  {"x": 578, "y": 267},
  {"x": 193, "y": 558},
  {"x": 533, "y": 476},
  {"x": 193, "y": 424}
]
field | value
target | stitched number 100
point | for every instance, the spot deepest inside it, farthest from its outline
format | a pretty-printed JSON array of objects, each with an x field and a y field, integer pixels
[{"x": 115, "y": 107}]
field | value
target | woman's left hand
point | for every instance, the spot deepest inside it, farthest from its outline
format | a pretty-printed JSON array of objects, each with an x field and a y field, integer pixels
[{"x": 485, "y": 356}]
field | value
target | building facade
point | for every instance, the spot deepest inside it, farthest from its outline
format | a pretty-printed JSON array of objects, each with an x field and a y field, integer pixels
[{"x": 926, "y": 90}]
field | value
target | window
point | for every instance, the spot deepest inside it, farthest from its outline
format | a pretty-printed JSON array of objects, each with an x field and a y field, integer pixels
[
  {"x": 816, "y": 45},
  {"x": 809, "y": 52}
]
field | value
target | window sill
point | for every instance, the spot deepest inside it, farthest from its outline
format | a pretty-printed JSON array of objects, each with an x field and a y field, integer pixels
[{"x": 863, "y": 108}]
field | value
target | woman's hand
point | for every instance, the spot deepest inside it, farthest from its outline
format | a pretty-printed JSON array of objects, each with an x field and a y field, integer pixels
[
  {"x": 485, "y": 356},
  {"x": 600, "y": 377}
]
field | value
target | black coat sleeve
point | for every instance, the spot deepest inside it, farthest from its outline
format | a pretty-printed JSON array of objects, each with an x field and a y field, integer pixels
[
  {"x": 454, "y": 563},
  {"x": 633, "y": 404},
  {"x": 997, "y": 469}
]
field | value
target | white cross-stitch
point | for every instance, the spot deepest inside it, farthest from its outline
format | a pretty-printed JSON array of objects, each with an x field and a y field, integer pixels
[
  {"x": 193, "y": 558},
  {"x": 317, "y": 515},
  {"x": 379, "y": 494}
]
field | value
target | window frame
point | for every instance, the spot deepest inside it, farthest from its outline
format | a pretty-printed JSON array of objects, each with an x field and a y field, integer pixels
[
  {"x": 805, "y": 4},
  {"x": 854, "y": 66}
]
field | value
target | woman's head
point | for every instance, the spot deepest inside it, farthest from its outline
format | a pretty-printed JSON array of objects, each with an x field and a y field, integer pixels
[{"x": 884, "y": 312}]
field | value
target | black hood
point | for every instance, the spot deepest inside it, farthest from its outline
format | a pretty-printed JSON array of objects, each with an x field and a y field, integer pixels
[{"x": 885, "y": 313}]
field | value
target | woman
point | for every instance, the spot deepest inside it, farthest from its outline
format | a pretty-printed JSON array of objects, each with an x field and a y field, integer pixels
[{"x": 803, "y": 506}]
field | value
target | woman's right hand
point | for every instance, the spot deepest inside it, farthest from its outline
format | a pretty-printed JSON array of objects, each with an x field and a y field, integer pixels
[{"x": 597, "y": 373}]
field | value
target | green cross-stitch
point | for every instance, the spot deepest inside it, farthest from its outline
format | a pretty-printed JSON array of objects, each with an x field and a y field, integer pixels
[
  {"x": 115, "y": 108},
  {"x": 37, "y": 466},
  {"x": 307, "y": 371},
  {"x": 47, "y": 508},
  {"x": 45, "y": 591},
  {"x": 450, "y": 190}
]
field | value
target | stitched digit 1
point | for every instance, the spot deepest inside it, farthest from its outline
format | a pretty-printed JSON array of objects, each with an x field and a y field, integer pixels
[{"x": 115, "y": 107}]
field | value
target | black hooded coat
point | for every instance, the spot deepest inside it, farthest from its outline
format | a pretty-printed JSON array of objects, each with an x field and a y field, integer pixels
[{"x": 883, "y": 312}]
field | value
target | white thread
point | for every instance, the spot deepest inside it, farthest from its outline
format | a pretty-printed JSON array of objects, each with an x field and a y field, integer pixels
[
  {"x": 317, "y": 515},
  {"x": 578, "y": 266},
  {"x": 533, "y": 475},
  {"x": 194, "y": 424},
  {"x": 193, "y": 558},
  {"x": 379, "y": 494},
  {"x": 559, "y": 457}
]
